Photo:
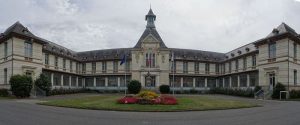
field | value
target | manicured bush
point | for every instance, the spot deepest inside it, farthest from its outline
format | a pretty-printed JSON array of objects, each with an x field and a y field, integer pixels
[
  {"x": 134, "y": 87},
  {"x": 257, "y": 88},
  {"x": 62, "y": 91},
  {"x": 233, "y": 91},
  {"x": 164, "y": 89},
  {"x": 127, "y": 100},
  {"x": 4, "y": 92},
  {"x": 295, "y": 94},
  {"x": 276, "y": 92},
  {"x": 21, "y": 85},
  {"x": 43, "y": 83}
]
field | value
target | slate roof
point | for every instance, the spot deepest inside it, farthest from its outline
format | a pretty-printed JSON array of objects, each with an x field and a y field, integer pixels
[
  {"x": 282, "y": 28},
  {"x": 188, "y": 54},
  {"x": 19, "y": 29},
  {"x": 147, "y": 32},
  {"x": 105, "y": 54}
]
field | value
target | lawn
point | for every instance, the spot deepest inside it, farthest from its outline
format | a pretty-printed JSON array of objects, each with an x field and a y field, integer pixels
[{"x": 186, "y": 103}]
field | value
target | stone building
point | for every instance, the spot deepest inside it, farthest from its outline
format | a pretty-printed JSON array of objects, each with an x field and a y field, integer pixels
[{"x": 264, "y": 62}]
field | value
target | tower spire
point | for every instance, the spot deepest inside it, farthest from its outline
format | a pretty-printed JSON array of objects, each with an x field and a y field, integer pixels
[{"x": 150, "y": 18}]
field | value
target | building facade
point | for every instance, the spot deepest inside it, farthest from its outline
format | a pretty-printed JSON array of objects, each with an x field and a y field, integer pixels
[{"x": 265, "y": 62}]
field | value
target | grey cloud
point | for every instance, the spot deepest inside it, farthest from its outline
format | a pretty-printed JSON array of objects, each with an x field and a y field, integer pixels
[{"x": 214, "y": 25}]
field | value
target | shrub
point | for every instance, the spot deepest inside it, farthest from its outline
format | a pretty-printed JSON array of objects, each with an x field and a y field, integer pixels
[
  {"x": 127, "y": 100},
  {"x": 276, "y": 92},
  {"x": 257, "y": 88},
  {"x": 134, "y": 87},
  {"x": 233, "y": 91},
  {"x": 62, "y": 91},
  {"x": 147, "y": 95},
  {"x": 44, "y": 83},
  {"x": 4, "y": 92},
  {"x": 21, "y": 85},
  {"x": 295, "y": 94},
  {"x": 164, "y": 89}
]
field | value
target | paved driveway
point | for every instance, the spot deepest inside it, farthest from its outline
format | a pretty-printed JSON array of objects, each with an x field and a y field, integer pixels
[{"x": 26, "y": 112}]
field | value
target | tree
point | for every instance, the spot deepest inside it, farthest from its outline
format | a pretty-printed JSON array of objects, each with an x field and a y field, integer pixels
[
  {"x": 44, "y": 83},
  {"x": 134, "y": 87},
  {"x": 21, "y": 85}
]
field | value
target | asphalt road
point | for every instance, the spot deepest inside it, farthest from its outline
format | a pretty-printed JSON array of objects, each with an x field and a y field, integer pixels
[{"x": 26, "y": 112}]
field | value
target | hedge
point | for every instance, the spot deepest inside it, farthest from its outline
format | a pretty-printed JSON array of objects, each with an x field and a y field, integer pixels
[
  {"x": 21, "y": 85},
  {"x": 233, "y": 91},
  {"x": 4, "y": 92}
]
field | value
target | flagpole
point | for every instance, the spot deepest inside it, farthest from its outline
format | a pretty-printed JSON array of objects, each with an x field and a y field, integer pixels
[
  {"x": 125, "y": 76},
  {"x": 173, "y": 73}
]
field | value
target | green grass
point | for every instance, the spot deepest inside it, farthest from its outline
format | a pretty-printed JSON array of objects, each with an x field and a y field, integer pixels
[{"x": 188, "y": 103}]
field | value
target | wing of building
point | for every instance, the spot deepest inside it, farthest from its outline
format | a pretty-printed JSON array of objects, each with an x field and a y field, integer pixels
[{"x": 265, "y": 62}]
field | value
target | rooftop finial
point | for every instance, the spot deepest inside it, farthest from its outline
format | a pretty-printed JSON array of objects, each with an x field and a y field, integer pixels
[{"x": 150, "y": 17}]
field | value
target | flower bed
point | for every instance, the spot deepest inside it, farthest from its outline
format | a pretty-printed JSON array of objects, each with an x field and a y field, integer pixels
[{"x": 148, "y": 98}]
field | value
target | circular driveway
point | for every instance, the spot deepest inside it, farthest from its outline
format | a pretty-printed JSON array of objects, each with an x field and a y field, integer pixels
[{"x": 26, "y": 112}]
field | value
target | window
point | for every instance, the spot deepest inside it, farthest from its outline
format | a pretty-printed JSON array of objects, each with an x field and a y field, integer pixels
[
  {"x": 71, "y": 66},
  {"x": 150, "y": 60},
  {"x": 173, "y": 67},
  {"x": 5, "y": 49},
  {"x": 200, "y": 82},
  {"x": 104, "y": 67},
  {"x": 77, "y": 67},
  {"x": 127, "y": 66},
  {"x": 244, "y": 63},
  {"x": 115, "y": 66},
  {"x": 187, "y": 81},
  {"x": 211, "y": 82},
  {"x": 196, "y": 67},
  {"x": 272, "y": 50},
  {"x": 100, "y": 82},
  {"x": 243, "y": 80},
  {"x": 295, "y": 50},
  {"x": 5, "y": 76},
  {"x": 66, "y": 80},
  {"x": 185, "y": 67},
  {"x": 229, "y": 67},
  {"x": 94, "y": 67},
  {"x": 56, "y": 61},
  {"x": 207, "y": 68},
  {"x": 83, "y": 67},
  {"x": 217, "y": 69},
  {"x": 46, "y": 58},
  {"x": 254, "y": 60},
  {"x": 295, "y": 77},
  {"x": 236, "y": 65},
  {"x": 112, "y": 81},
  {"x": 234, "y": 81},
  {"x": 28, "y": 48},
  {"x": 73, "y": 81},
  {"x": 176, "y": 83},
  {"x": 89, "y": 81},
  {"x": 64, "y": 64}
]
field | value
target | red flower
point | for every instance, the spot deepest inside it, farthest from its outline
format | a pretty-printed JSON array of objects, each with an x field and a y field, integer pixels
[
  {"x": 127, "y": 100},
  {"x": 168, "y": 100}
]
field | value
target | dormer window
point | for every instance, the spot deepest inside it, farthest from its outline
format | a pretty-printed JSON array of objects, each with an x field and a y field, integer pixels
[
  {"x": 247, "y": 49},
  {"x": 232, "y": 54},
  {"x": 239, "y": 52},
  {"x": 275, "y": 31}
]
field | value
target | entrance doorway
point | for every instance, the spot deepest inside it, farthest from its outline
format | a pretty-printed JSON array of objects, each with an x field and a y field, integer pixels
[
  {"x": 150, "y": 81},
  {"x": 272, "y": 81}
]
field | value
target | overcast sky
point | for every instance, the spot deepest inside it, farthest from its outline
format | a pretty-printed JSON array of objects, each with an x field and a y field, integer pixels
[{"x": 212, "y": 25}]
